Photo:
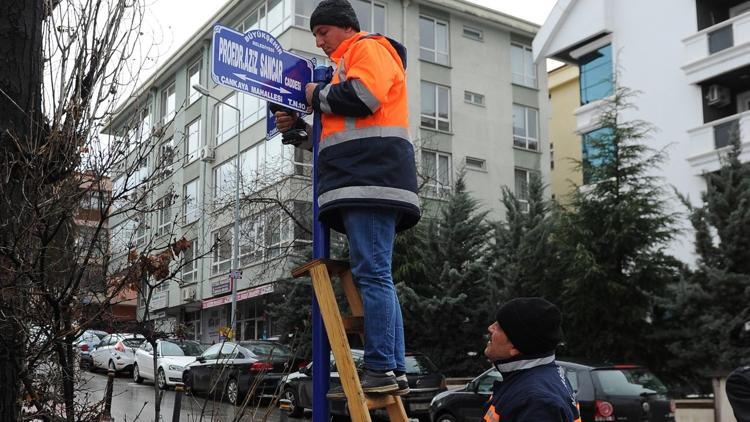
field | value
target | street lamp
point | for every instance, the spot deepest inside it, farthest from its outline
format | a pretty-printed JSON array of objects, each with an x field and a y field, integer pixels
[{"x": 236, "y": 231}]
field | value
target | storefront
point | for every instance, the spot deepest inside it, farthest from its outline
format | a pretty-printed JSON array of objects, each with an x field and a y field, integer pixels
[{"x": 252, "y": 319}]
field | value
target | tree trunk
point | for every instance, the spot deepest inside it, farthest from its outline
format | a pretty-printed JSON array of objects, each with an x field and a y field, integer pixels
[{"x": 21, "y": 123}]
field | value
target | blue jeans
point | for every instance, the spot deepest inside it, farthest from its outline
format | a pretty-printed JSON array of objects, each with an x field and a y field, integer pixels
[{"x": 371, "y": 232}]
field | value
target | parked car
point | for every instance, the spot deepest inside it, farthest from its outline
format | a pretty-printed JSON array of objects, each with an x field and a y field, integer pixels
[
  {"x": 627, "y": 393},
  {"x": 85, "y": 343},
  {"x": 425, "y": 381},
  {"x": 233, "y": 370},
  {"x": 171, "y": 358},
  {"x": 116, "y": 352}
]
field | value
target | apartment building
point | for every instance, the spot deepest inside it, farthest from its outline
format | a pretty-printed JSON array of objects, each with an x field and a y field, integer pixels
[
  {"x": 475, "y": 101},
  {"x": 689, "y": 62},
  {"x": 564, "y": 142}
]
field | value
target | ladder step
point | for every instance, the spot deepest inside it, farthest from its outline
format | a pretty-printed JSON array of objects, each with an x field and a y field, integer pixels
[
  {"x": 354, "y": 324},
  {"x": 334, "y": 266},
  {"x": 379, "y": 401}
]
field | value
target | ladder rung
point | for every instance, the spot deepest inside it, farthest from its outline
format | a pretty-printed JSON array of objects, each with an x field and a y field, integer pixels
[
  {"x": 354, "y": 324},
  {"x": 334, "y": 267},
  {"x": 379, "y": 401}
]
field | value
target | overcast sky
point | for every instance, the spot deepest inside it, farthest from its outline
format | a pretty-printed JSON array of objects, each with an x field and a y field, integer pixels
[{"x": 172, "y": 22}]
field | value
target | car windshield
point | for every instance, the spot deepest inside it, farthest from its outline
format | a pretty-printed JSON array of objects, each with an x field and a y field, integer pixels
[
  {"x": 266, "y": 349},
  {"x": 629, "y": 381},
  {"x": 419, "y": 365},
  {"x": 133, "y": 342},
  {"x": 184, "y": 348}
]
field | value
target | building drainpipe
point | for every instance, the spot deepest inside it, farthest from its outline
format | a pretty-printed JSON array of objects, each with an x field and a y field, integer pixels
[
  {"x": 404, "y": 6},
  {"x": 204, "y": 170}
]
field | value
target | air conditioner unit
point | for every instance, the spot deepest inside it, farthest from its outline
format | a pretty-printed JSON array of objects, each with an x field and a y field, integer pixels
[
  {"x": 188, "y": 295},
  {"x": 206, "y": 154},
  {"x": 718, "y": 96}
]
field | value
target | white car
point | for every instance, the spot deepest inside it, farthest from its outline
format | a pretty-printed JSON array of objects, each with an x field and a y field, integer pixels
[
  {"x": 171, "y": 358},
  {"x": 116, "y": 351}
]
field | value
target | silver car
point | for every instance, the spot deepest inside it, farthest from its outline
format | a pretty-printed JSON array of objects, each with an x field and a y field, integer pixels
[{"x": 116, "y": 351}]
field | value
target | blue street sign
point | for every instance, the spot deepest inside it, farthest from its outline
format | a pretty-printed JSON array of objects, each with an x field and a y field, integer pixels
[
  {"x": 255, "y": 63},
  {"x": 271, "y": 130}
]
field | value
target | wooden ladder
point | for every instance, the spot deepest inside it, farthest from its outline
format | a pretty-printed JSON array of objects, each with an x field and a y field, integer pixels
[{"x": 320, "y": 271}]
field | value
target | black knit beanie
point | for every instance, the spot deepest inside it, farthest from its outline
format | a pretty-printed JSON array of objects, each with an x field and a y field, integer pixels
[
  {"x": 334, "y": 12},
  {"x": 532, "y": 324}
]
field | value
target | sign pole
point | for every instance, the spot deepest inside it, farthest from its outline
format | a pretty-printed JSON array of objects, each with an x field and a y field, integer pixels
[{"x": 321, "y": 249}]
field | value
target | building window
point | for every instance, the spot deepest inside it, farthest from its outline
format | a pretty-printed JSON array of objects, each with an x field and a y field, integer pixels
[
  {"x": 265, "y": 236},
  {"x": 140, "y": 228},
  {"x": 433, "y": 40},
  {"x": 272, "y": 16},
  {"x": 435, "y": 112},
  {"x": 194, "y": 78},
  {"x": 522, "y": 62},
  {"x": 525, "y": 127},
  {"x": 551, "y": 156},
  {"x": 223, "y": 182},
  {"x": 476, "y": 163},
  {"x": 166, "y": 158},
  {"x": 226, "y": 119},
  {"x": 596, "y": 152},
  {"x": 221, "y": 259},
  {"x": 253, "y": 110},
  {"x": 164, "y": 214},
  {"x": 190, "y": 201},
  {"x": 193, "y": 140},
  {"x": 190, "y": 263},
  {"x": 596, "y": 74},
  {"x": 436, "y": 169},
  {"x": 139, "y": 130},
  {"x": 168, "y": 103},
  {"x": 265, "y": 163},
  {"x": 473, "y": 33},
  {"x": 371, "y": 15},
  {"x": 474, "y": 98},
  {"x": 522, "y": 180}
]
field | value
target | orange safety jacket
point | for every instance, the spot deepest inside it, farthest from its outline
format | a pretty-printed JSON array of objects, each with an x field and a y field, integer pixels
[{"x": 366, "y": 158}]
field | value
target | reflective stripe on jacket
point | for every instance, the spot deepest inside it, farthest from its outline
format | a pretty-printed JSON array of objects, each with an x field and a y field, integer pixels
[{"x": 365, "y": 156}]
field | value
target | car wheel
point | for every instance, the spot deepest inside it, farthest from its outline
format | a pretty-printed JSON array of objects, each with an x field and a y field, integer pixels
[
  {"x": 161, "y": 380},
  {"x": 111, "y": 366},
  {"x": 232, "y": 391},
  {"x": 137, "y": 374},
  {"x": 445, "y": 417},
  {"x": 295, "y": 410}
]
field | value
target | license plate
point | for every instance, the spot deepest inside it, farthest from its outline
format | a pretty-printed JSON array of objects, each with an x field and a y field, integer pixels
[{"x": 419, "y": 406}]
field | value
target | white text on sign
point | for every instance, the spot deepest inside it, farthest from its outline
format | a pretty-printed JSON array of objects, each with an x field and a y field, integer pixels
[{"x": 251, "y": 61}]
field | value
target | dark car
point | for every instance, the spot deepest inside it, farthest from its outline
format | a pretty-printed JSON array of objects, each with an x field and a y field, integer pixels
[
  {"x": 425, "y": 381},
  {"x": 627, "y": 393},
  {"x": 232, "y": 370}
]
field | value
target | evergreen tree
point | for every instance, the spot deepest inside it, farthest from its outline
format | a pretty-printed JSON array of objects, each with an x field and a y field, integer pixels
[
  {"x": 446, "y": 299},
  {"x": 612, "y": 241},
  {"x": 524, "y": 241},
  {"x": 714, "y": 300}
]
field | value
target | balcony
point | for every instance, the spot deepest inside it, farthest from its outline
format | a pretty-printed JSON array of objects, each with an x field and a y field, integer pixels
[
  {"x": 717, "y": 49},
  {"x": 708, "y": 140}
]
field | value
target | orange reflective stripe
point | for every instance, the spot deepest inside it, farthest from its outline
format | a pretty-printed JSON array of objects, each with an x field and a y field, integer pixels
[{"x": 491, "y": 415}]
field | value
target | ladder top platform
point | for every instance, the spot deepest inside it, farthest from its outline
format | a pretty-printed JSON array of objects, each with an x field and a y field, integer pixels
[{"x": 334, "y": 267}]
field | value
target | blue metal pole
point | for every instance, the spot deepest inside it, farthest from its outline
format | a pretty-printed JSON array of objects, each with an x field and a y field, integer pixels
[{"x": 321, "y": 249}]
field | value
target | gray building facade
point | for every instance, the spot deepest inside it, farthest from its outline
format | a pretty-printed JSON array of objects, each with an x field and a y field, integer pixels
[{"x": 476, "y": 98}]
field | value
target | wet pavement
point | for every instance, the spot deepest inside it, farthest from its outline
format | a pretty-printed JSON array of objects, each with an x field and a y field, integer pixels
[{"x": 133, "y": 402}]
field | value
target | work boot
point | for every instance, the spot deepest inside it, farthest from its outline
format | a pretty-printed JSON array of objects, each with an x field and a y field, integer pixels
[
  {"x": 372, "y": 382},
  {"x": 403, "y": 385}
]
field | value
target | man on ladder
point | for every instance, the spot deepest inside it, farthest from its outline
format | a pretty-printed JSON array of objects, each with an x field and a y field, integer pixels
[{"x": 366, "y": 176}]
